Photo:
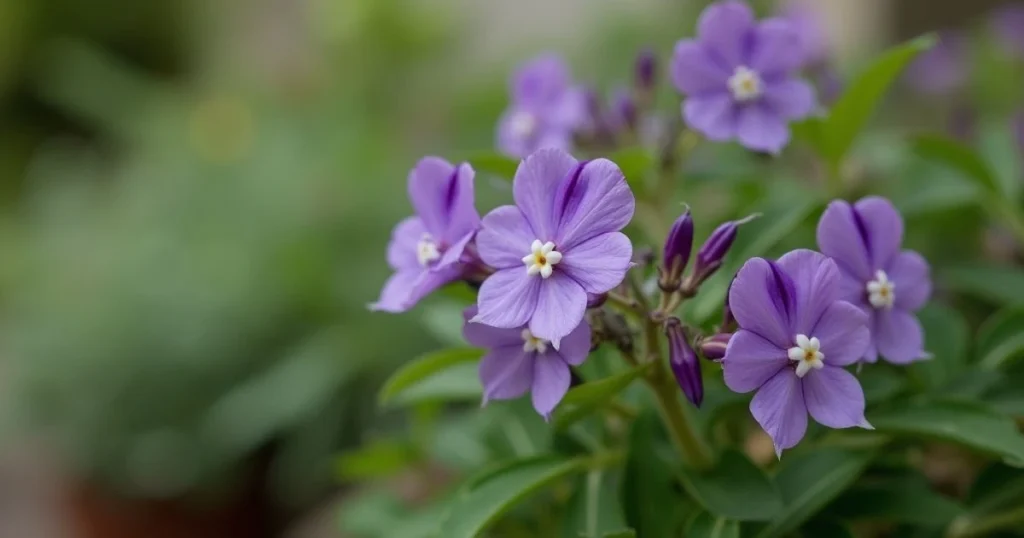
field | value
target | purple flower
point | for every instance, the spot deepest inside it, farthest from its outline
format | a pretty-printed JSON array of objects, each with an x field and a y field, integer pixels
[
  {"x": 545, "y": 110},
  {"x": 713, "y": 348},
  {"x": 425, "y": 250},
  {"x": 886, "y": 283},
  {"x": 716, "y": 246},
  {"x": 517, "y": 361},
  {"x": 684, "y": 362},
  {"x": 738, "y": 76},
  {"x": 941, "y": 70},
  {"x": 795, "y": 337},
  {"x": 559, "y": 242},
  {"x": 645, "y": 70},
  {"x": 1007, "y": 24},
  {"x": 812, "y": 37}
]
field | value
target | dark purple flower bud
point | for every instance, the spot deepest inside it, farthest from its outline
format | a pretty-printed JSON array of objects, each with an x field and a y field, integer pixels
[
  {"x": 677, "y": 250},
  {"x": 596, "y": 300},
  {"x": 1018, "y": 130},
  {"x": 713, "y": 251},
  {"x": 713, "y": 348},
  {"x": 646, "y": 70},
  {"x": 684, "y": 362},
  {"x": 624, "y": 110}
]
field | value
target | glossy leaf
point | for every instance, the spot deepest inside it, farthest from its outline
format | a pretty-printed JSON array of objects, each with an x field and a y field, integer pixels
[
  {"x": 957, "y": 156},
  {"x": 734, "y": 489},
  {"x": 708, "y": 525},
  {"x": 903, "y": 498},
  {"x": 1001, "y": 339},
  {"x": 495, "y": 164},
  {"x": 415, "y": 374},
  {"x": 999, "y": 285}
]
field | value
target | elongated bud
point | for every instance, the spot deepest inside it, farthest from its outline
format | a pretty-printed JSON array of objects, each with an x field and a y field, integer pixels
[
  {"x": 624, "y": 109},
  {"x": 646, "y": 70},
  {"x": 679, "y": 243},
  {"x": 684, "y": 362},
  {"x": 713, "y": 251},
  {"x": 713, "y": 348}
]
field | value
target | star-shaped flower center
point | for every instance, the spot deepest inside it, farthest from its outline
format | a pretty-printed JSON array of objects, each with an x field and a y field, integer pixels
[
  {"x": 745, "y": 84},
  {"x": 542, "y": 258},
  {"x": 427, "y": 251},
  {"x": 532, "y": 343},
  {"x": 523, "y": 124},
  {"x": 881, "y": 291},
  {"x": 806, "y": 354}
]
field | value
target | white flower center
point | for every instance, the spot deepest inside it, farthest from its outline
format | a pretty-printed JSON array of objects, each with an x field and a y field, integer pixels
[
  {"x": 427, "y": 251},
  {"x": 807, "y": 355},
  {"x": 745, "y": 84},
  {"x": 523, "y": 124},
  {"x": 881, "y": 291},
  {"x": 532, "y": 343},
  {"x": 542, "y": 258}
]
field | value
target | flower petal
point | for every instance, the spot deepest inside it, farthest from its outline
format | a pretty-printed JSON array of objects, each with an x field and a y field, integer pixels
[
  {"x": 600, "y": 263},
  {"x": 790, "y": 98},
  {"x": 841, "y": 238},
  {"x": 694, "y": 72},
  {"x": 540, "y": 81},
  {"x": 453, "y": 254},
  {"x": 750, "y": 361},
  {"x": 834, "y": 397},
  {"x": 506, "y": 373},
  {"x": 912, "y": 277},
  {"x": 844, "y": 333},
  {"x": 714, "y": 115},
  {"x": 504, "y": 238},
  {"x": 723, "y": 28},
  {"x": 508, "y": 298},
  {"x": 561, "y": 304},
  {"x": 406, "y": 287},
  {"x": 816, "y": 279},
  {"x": 754, "y": 307},
  {"x": 485, "y": 336},
  {"x": 550, "y": 382},
  {"x": 898, "y": 336},
  {"x": 761, "y": 128},
  {"x": 535, "y": 185},
  {"x": 776, "y": 48},
  {"x": 884, "y": 229},
  {"x": 403, "y": 245},
  {"x": 779, "y": 408},
  {"x": 463, "y": 218},
  {"x": 576, "y": 346},
  {"x": 597, "y": 202},
  {"x": 432, "y": 186}
]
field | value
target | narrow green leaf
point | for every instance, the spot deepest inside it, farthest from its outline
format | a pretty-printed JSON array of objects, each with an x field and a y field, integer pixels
[
  {"x": 708, "y": 525},
  {"x": 997, "y": 490},
  {"x": 946, "y": 338},
  {"x": 881, "y": 382},
  {"x": 635, "y": 163},
  {"x": 1001, "y": 338},
  {"x": 999, "y": 285},
  {"x": 967, "y": 423},
  {"x": 376, "y": 459},
  {"x": 903, "y": 498},
  {"x": 494, "y": 164},
  {"x": 594, "y": 509},
  {"x": 424, "y": 367},
  {"x": 811, "y": 131},
  {"x": 625, "y": 533},
  {"x": 459, "y": 383},
  {"x": 598, "y": 392},
  {"x": 652, "y": 503},
  {"x": 959, "y": 157},
  {"x": 485, "y": 498},
  {"x": 734, "y": 489},
  {"x": 810, "y": 481}
]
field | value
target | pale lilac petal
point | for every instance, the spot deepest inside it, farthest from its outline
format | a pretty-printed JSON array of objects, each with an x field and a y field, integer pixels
[
  {"x": 912, "y": 277},
  {"x": 599, "y": 264},
  {"x": 754, "y": 303},
  {"x": 550, "y": 382},
  {"x": 816, "y": 279},
  {"x": 561, "y": 304},
  {"x": 724, "y": 28},
  {"x": 569, "y": 112},
  {"x": 534, "y": 188},
  {"x": 714, "y": 115},
  {"x": 453, "y": 254},
  {"x": 898, "y": 336},
  {"x": 406, "y": 287},
  {"x": 504, "y": 238},
  {"x": 553, "y": 138},
  {"x": 834, "y": 398},
  {"x": 510, "y": 140},
  {"x": 576, "y": 346},
  {"x": 598, "y": 201},
  {"x": 844, "y": 333},
  {"x": 841, "y": 237},
  {"x": 463, "y": 218},
  {"x": 485, "y": 336},
  {"x": 508, "y": 298},
  {"x": 506, "y": 372},
  {"x": 779, "y": 408},
  {"x": 750, "y": 361},
  {"x": 776, "y": 49},
  {"x": 791, "y": 98},
  {"x": 762, "y": 129},
  {"x": 884, "y": 229},
  {"x": 540, "y": 81},
  {"x": 402, "y": 247},
  {"x": 431, "y": 190},
  {"x": 851, "y": 288},
  {"x": 694, "y": 72}
]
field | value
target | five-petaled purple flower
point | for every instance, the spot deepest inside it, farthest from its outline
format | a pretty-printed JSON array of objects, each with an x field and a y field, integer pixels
[
  {"x": 518, "y": 361},
  {"x": 888, "y": 284},
  {"x": 559, "y": 242},
  {"x": 796, "y": 335},
  {"x": 738, "y": 76},
  {"x": 546, "y": 108},
  {"x": 425, "y": 250}
]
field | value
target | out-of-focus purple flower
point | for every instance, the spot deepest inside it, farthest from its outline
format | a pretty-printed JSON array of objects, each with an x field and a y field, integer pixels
[
  {"x": 829, "y": 83},
  {"x": 713, "y": 348},
  {"x": 717, "y": 245},
  {"x": 559, "y": 242},
  {"x": 518, "y": 362},
  {"x": 795, "y": 337},
  {"x": 624, "y": 112},
  {"x": 943, "y": 69},
  {"x": 1018, "y": 130},
  {"x": 738, "y": 77},
  {"x": 546, "y": 108},
  {"x": 888, "y": 284},
  {"x": 425, "y": 250},
  {"x": 1007, "y": 23},
  {"x": 812, "y": 36},
  {"x": 646, "y": 69},
  {"x": 684, "y": 362},
  {"x": 676, "y": 253}
]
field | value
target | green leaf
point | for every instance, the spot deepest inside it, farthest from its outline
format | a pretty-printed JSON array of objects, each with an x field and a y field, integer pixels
[
  {"x": 634, "y": 162},
  {"x": 1001, "y": 339},
  {"x": 903, "y": 498},
  {"x": 855, "y": 108},
  {"x": 969, "y": 424},
  {"x": 584, "y": 399},
  {"x": 820, "y": 528},
  {"x": 625, "y": 533},
  {"x": 997, "y": 490},
  {"x": 881, "y": 382},
  {"x": 495, "y": 164},
  {"x": 734, "y": 489},
  {"x": 999, "y": 285},
  {"x": 594, "y": 510},
  {"x": 809, "y": 481},
  {"x": 415, "y": 374},
  {"x": 376, "y": 459},
  {"x": 946, "y": 338},
  {"x": 652, "y": 503},
  {"x": 959, "y": 157},
  {"x": 707, "y": 525},
  {"x": 488, "y": 496}
]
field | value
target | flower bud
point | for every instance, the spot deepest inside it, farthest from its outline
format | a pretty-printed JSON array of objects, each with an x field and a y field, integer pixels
[
  {"x": 624, "y": 110},
  {"x": 646, "y": 70},
  {"x": 596, "y": 300},
  {"x": 713, "y": 348},
  {"x": 676, "y": 254},
  {"x": 713, "y": 251},
  {"x": 684, "y": 362}
]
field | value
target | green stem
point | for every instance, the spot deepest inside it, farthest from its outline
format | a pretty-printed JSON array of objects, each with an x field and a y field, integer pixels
[
  {"x": 692, "y": 447},
  {"x": 966, "y": 528}
]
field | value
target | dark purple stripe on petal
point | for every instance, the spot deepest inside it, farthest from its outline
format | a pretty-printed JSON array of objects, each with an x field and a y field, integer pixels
[
  {"x": 453, "y": 192},
  {"x": 782, "y": 291},
  {"x": 569, "y": 194},
  {"x": 862, "y": 230}
]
